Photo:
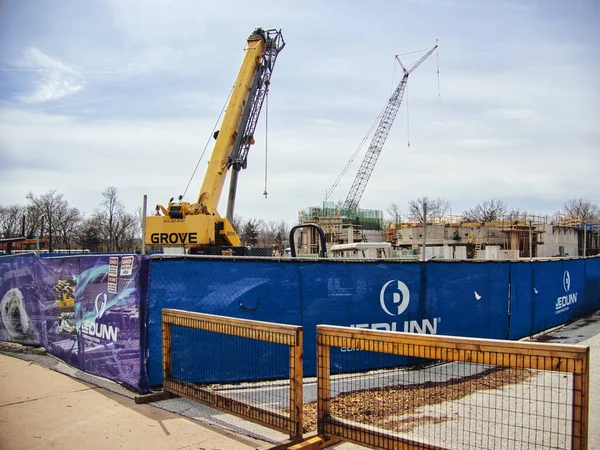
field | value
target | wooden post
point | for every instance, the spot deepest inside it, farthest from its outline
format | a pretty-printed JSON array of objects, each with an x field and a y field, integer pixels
[
  {"x": 166, "y": 348},
  {"x": 580, "y": 396},
  {"x": 296, "y": 384},
  {"x": 323, "y": 381}
]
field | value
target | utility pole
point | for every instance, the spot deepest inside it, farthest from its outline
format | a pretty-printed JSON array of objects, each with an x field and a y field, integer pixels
[
  {"x": 530, "y": 242},
  {"x": 423, "y": 257},
  {"x": 584, "y": 239},
  {"x": 144, "y": 212}
]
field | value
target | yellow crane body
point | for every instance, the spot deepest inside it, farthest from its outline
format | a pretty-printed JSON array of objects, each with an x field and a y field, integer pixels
[{"x": 199, "y": 224}]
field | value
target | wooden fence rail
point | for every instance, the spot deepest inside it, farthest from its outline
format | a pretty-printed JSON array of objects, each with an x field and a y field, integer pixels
[
  {"x": 483, "y": 355},
  {"x": 290, "y": 420}
]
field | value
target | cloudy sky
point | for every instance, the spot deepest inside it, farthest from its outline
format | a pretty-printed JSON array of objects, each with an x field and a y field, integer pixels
[{"x": 125, "y": 93}]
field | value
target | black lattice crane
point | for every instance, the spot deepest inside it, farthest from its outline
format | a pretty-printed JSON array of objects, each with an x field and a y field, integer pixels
[{"x": 383, "y": 129}]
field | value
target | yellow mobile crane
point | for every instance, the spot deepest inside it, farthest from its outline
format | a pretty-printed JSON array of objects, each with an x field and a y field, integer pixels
[{"x": 198, "y": 226}]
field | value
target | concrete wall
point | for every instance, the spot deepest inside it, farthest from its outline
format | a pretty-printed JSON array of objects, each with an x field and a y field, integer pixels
[{"x": 554, "y": 237}]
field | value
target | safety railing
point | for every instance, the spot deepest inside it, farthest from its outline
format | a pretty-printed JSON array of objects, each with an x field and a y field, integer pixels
[
  {"x": 198, "y": 347},
  {"x": 456, "y": 393}
]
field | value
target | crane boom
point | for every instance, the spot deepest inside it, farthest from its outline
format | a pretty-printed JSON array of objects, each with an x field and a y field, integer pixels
[
  {"x": 381, "y": 133},
  {"x": 262, "y": 79}
]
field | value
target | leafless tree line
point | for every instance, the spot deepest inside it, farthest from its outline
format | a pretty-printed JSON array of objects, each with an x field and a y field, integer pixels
[
  {"x": 50, "y": 216},
  {"x": 256, "y": 232},
  {"x": 579, "y": 209},
  {"x": 110, "y": 228}
]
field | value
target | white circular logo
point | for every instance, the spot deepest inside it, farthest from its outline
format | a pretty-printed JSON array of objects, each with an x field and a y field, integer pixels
[
  {"x": 567, "y": 281},
  {"x": 401, "y": 298},
  {"x": 100, "y": 311}
]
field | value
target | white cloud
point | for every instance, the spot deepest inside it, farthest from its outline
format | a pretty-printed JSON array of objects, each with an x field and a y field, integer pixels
[
  {"x": 57, "y": 79},
  {"x": 507, "y": 125}
]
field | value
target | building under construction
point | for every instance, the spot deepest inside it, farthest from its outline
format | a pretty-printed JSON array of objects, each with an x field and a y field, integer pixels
[
  {"x": 364, "y": 225},
  {"x": 530, "y": 236},
  {"x": 525, "y": 236}
]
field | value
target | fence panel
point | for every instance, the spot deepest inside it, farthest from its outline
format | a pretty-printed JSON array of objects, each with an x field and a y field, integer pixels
[
  {"x": 264, "y": 290},
  {"x": 470, "y": 393},
  {"x": 213, "y": 345}
]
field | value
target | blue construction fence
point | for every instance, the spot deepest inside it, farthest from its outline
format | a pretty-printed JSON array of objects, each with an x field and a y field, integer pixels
[
  {"x": 497, "y": 300},
  {"x": 102, "y": 313}
]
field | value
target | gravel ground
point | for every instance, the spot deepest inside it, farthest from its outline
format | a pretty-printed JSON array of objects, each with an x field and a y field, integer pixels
[{"x": 388, "y": 407}]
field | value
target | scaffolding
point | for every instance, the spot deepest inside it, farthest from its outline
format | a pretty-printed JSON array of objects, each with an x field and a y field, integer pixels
[
  {"x": 338, "y": 229},
  {"x": 511, "y": 235}
]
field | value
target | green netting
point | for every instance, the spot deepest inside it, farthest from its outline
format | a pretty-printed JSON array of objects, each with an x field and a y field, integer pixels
[{"x": 369, "y": 219}]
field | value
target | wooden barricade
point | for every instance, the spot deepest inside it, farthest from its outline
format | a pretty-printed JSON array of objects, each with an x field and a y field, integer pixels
[
  {"x": 487, "y": 352},
  {"x": 288, "y": 335}
]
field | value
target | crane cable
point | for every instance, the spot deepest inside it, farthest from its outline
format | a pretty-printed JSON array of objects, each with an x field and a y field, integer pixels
[
  {"x": 360, "y": 145},
  {"x": 407, "y": 118},
  {"x": 437, "y": 57},
  {"x": 207, "y": 142},
  {"x": 266, "y": 137},
  {"x": 351, "y": 160},
  {"x": 414, "y": 51}
]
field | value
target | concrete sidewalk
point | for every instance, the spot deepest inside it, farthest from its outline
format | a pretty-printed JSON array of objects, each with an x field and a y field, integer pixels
[{"x": 41, "y": 408}]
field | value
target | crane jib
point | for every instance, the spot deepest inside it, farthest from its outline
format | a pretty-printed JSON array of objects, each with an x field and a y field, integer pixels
[{"x": 385, "y": 124}]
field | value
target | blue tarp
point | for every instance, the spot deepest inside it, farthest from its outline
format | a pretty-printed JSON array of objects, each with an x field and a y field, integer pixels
[
  {"x": 69, "y": 306},
  {"x": 496, "y": 300}
]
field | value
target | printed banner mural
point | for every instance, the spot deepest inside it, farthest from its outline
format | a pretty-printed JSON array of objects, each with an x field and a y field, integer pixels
[
  {"x": 89, "y": 311},
  {"x": 20, "y": 304}
]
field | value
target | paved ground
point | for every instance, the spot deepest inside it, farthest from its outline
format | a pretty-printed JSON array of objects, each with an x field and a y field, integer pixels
[
  {"x": 585, "y": 331},
  {"x": 42, "y": 408}
]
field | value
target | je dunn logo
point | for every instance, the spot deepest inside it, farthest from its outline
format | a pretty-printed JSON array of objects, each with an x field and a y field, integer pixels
[
  {"x": 100, "y": 311},
  {"x": 401, "y": 298},
  {"x": 567, "y": 281},
  {"x": 96, "y": 332},
  {"x": 564, "y": 302}
]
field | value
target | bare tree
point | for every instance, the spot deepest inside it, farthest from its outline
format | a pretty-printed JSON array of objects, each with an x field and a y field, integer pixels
[
  {"x": 53, "y": 209},
  {"x": 516, "y": 214},
  {"x": 582, "y": 210},
  {"x": 111, "y": 207},
  {"x": 120, "y": 229},
  {"x": 67, "y": 226},
  {"x": 11, "y": 220},
  {"x": 437, "y": 208},
  {"x": 273, "y": 233},
  {"x": 488, "y": 211},
  {"x": 89, "y": 234},
  {"x": 127, "y": 230},
  {"x": 237, "y": 223},
  {"x": 33, "y": 222},
  {"x": 250, "y": 232},
  {"x": 394, "y": 211}
]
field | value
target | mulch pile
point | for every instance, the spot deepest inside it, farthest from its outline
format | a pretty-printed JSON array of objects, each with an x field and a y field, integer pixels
[{"x": 388, "y": 407}]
